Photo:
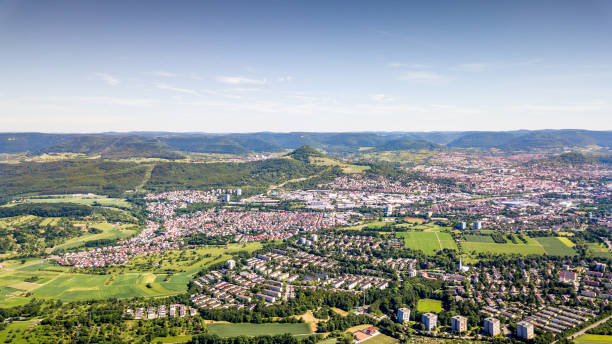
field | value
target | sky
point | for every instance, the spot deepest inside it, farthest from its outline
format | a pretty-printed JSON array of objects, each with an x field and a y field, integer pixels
[{"x": 246, "y": 66}]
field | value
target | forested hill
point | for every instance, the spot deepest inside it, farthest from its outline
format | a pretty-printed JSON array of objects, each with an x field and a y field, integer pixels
[
  {"x": 174, "y": 145},
  {"x": 115, "y": 178}
]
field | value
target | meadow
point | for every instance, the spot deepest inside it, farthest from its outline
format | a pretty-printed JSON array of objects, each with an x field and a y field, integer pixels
[
  {"x": 247, "y": 329},
  {"x": 133, "y": 280},
  {"x": 531, "y": 247},
  {"x": 557, "y": 246},
  {"x": 599, "y": 250},
  {"x": 429, "y": 305},
  {"x": 593, "y": 339},
  {"x": 346, "y": 168},
  {"x": 13, "y": 332},
  {"x": 428, "y": 242},
  {"x": 109, "y": 231},
  {"x": 81, "y": 199},
  {"x": 381, "y": 339}
]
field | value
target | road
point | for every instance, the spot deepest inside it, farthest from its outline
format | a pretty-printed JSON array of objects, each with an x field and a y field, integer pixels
[{"x": 581, "y": 332}]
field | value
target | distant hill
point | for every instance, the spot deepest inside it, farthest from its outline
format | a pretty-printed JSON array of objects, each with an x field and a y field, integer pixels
[
  {"x": 573, "y": 158},
  {"x": 407, "y": 144},
  {"x": 114, "y": 147},
  {"x": 155, "y": 144},
  {"x": 304, "y": 153}
]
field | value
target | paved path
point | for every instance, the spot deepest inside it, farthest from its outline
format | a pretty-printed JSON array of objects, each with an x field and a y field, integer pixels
[{"x": 581, "y": 332}]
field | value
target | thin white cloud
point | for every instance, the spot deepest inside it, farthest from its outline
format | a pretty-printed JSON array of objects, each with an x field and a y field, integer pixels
[
  {"x": 239, "y": 80},
  {"x": 407, "y": 65},
  {"x": 163, "y": 86},
  {"x": 381, "y": 97},
  {"x": 162, "y": 74},
  {"x": 570, "y": 107},
  {"x": 422, "y": 76},
  {"x": 472, "y": 67},
  {"x": 109, "y": 79},
  {"x": 286, "y": 78}
]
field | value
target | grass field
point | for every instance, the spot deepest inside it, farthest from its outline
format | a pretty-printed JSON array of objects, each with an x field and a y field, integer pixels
[
  {"x": 599, "y": 250},
  {"x": 531, "y": 247},
  {"x": 81, "y": 199},
  {"x": 381, "y": 339},
  {"x": 346, "y": 168},
  {"x": 109, "y": 231},
  {"x": 173, "y": 339},
  {"x": 593, "y": 339},
  {"x": 133, "y": 280},
  {"x": 557, "y": 246},
  {"x": 478, "y": 238},
  {"x": 429, "y": 305},
  {"x": 428, "y": 242},
  {"x": 247, "y": 329}
]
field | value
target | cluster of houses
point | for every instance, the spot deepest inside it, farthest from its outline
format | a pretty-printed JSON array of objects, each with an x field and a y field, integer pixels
[{"x": 160, "y": 312}]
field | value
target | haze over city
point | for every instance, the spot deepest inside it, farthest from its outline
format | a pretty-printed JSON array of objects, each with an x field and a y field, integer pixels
[{"x": 244, "y": 66}]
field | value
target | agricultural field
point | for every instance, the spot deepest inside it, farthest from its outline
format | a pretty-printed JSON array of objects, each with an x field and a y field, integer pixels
[
  {"x": 81, "y": 199},
  {"x": 346, "y": 168},
  {"x": 557, "y": 246},
  {"x": 531, "y": 247},
  {"x": 109, "y": 231},
  {"x": 54, "y": 282},
  {"x": 429, "y": 305},
  {"x": 593, "y": 339},
  {"x": 248, "y": 329},
  {"x": 478, "y": 238},
  {"x": 428, "y": 242},
  {"x": 600, "y": 250},
  {"x": 380, "y": 339}
]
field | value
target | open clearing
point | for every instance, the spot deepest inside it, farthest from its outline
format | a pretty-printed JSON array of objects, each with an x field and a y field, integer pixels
[
  {"x": 428, "y": 242},
  {"x": 109, "y": 231},
  {"x": 429, "y": 305},
  {"x": 556, "y": 247},
  {"x": 381, "y": 339},
  {"x": 531, "y": 247},
  {"x": 81, "y": 199},
  {"x": 599, "y": 250},
  {"x": 593, "y": 339},
  {"x": 346, "y": 167},
  {"x": 16, "y": 329},
  {"x": 251, "y": 330}
]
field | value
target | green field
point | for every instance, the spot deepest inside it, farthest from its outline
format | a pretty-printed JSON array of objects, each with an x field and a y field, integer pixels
[
  {"x": 556, "y": 246},
  {"x": 429, "y": 305},
  {"x": 81, "y": 199},
  {"x": 109, "y": 231},
  {"x": 428, "y": 242},
  {"x": 478, "y": 238},
  {"x": 137, "y": 278},
  {"x": 531, "y": 247},
  {"x": 381, "y": 339},
  {"x": 593, "y": 339},
  {"x": 599, "y": 250},
  {"x": 251, "y": 330}
]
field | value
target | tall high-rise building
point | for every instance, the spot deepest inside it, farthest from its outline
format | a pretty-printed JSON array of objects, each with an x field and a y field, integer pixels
[
  {"x": 524, "y": 330},
  {"x": 492, "y": 326},
  {"x": 430, "y": 320},
  {"x": 459, "y": 323},
  {"x": 403, "y": 315}
]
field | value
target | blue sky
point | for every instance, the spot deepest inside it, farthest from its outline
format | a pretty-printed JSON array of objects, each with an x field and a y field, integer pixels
[{"x": 244, "y": 66}]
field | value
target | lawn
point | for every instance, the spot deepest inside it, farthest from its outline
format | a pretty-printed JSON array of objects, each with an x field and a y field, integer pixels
[
  {"x": 429, "y": 305},
  {"x": 531, "y": 247},
  {"x": 248, "y": 329},
  {"x": 380, "y": 339},
  {"x": 593, "y": 339},
  {"x": 428, "y": 242},
  {"x": 556, "y": 247}
]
